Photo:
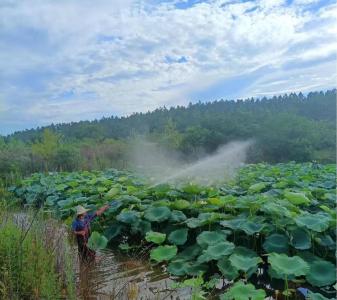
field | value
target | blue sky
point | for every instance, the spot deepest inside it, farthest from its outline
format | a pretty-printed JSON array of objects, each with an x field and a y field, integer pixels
[{"x": 71, "y": 60}]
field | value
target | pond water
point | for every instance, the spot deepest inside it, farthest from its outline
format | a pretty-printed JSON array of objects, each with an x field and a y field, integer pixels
[{"x": 121, "y": 277}]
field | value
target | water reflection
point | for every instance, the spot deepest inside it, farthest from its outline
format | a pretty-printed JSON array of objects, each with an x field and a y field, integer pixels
[{"x": 124, "y": 278}]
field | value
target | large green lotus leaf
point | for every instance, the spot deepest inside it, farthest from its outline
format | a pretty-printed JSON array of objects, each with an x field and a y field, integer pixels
[
  {"x": 177, "y": 268},
  {"x": 51, "y": 200},
  {"x": 215, "y": 252},
  {"x": 234, "y": 224},
  {"x": 155, "y": 237},
  {"x": 195, "y": 269},
  {"x": 97, "y": 241},
  {"x": 114, "y": 206},
  {"x": 142, "y": 226},
  {"x": 157, "y": 214},
  {"x": 322, "y": 273},
  {"x": 241, "y": 291},
  {"x": 163, "y": 253},
  {"x": 193, "y": 222},
  {"x": 284, "y": 265},
  {"x": 129, "y": 217},
  {"x": 113, "y": 192},
  {"x": 257, "y": 187},
  {"x": 226, "y": 268},
  {"x": 192, "y": 189},
  {"x": 65, "y": 203},
  {"x": 251, "y": 227},
  {"x": 220, "y": 202},
  {"x": 316, "y": 296},
  {"x": 325, "y": 241},
  {"x": 207, "y": 238},
  {"x": 178, "y": 237},
  {"x": 180, "y": 204},
  {"x": 276, "y": 243},
  {"x": 318, "y": 222},
  {"x": 297, "y": 198},
  {"x": 177, "y": 216},
  {"x": 244, "y": 263},
  {"x": 113, "y": 230},
  {"x": 300, "y": 239},
  {"x": 190, "y": 252},
  {"x": 245, "y": 251}
]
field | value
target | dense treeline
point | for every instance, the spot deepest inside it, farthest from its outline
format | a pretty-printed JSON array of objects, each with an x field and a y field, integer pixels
[{"x": 288, "y": 127}]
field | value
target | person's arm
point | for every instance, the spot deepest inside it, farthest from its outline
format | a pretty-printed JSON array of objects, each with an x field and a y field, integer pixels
[{"x": 102, "y": 210}]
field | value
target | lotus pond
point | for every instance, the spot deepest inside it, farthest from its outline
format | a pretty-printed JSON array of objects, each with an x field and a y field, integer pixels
[{"x": 268, "y": 232}]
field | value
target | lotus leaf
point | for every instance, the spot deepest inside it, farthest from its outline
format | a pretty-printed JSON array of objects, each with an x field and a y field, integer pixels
[
  {"x": 97, "y": 241},
  {"x": 251, "y": 227},
  {"x": 276, "y": 243},
  {"x": 155, "y": 237},
  {"x": 178, "y": 237},
  {"x": 287, "y": 266},
  {"x": 190, "y": 252},
  {"x": 227, "y": 270},
  {"x": 215, "y": 252},
  {"x": 207, "y": 238},
  {"x": 195, "y": 269},
  {"x": 141, "y": 226},
  {"x": 113, "y": 192},
  {"x": 316, "y": 296},
  {"x": 221, "y": 202},
  {"x": 157, "y": 214},
  {"x": 300, "y": 239},
  {"x": 241, "y": 291},
  {"x": 322, "y": 273},
  {"x": 113, "y": 230},
  {"x": 129, "y": 217},
  {"x": 180, "y": 204},
  {"x": 317, "y": 222},
  {"x": 177, "y": 268},
  {"x": 297, "y": 198},
  {"x": 193, "y": 223},
  {"x": 325, "y": 241},
  {"x": 257, "y": 187},
  {"x": 163, "y": 253},
  {"x": 244, "y": 263},
  {"x": 177, "y": 216}
]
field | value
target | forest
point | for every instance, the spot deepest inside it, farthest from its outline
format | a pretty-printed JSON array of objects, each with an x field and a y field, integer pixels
[{"x": 292, "y": 127}]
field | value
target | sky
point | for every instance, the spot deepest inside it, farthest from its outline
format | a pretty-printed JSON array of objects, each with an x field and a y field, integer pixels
[{"x": 71, "y": 60}]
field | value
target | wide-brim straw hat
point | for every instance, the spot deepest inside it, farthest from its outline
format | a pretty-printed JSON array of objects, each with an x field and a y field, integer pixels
[{"x": 81, "y": 210}]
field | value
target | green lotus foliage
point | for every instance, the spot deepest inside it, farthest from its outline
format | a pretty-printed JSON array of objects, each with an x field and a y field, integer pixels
[
  {"x": 217, "y": 251},
  {"x": 288, "y": 266},
  {"x": 207, "y": 238},
  {"x": 227, "y": 270},
  {"x": 178, "y": 237},
  {"x": 276, "y": 243},
  {"x": 97, "y": 241},
  {"x": 297, "y": 198},
  {"x": 322, "y": 273},
  {"x": 300, "y": 239},
  {"x": 155, "y": 237},
  {"x": 163, "y": 253},
  {"x": 244, "y": 263},
  {"x": 318, "y": 222},
  {"x": 241, "y": 291},
  {"x": 277, "y": 210},
  {"x": 157, "y": 214},
  {"x": 316, "y": 296}
]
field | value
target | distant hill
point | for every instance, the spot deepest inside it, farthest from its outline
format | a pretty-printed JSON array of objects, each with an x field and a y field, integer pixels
[{"x": 284, "y": 128}]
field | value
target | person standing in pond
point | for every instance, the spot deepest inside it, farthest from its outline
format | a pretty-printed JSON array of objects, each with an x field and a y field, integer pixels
[{"x": 81, "y": 228}]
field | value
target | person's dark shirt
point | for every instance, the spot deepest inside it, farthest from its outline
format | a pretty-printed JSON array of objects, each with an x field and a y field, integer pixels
[{"x": 83, "y": 224}]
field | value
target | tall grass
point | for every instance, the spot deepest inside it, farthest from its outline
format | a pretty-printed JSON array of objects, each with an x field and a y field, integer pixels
[{"x": 35, "y": 258}]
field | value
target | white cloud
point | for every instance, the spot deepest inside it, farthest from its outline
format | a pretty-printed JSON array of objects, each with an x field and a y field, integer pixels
[{"x": 127, "y": 54}]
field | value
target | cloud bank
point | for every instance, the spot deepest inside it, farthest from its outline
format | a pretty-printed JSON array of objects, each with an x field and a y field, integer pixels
[{"x": 70, "y": 60}]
